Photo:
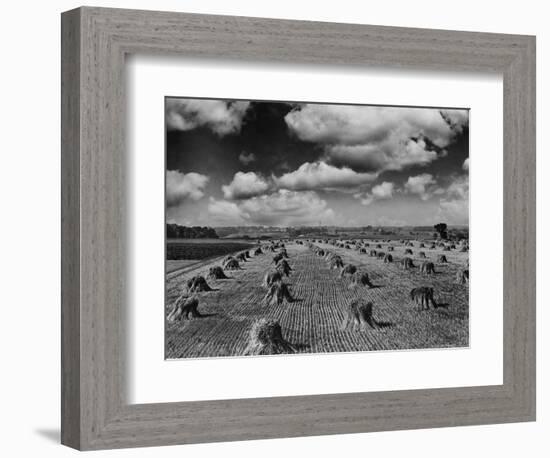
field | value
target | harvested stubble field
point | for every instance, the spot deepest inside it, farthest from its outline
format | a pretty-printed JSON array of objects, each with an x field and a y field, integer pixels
[
  {"x": 185, "y": 255},
  {"x": 313, "y": 322}
]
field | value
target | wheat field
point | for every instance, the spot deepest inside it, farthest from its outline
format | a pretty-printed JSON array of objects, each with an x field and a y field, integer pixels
[{"x": 312, "y": 322}]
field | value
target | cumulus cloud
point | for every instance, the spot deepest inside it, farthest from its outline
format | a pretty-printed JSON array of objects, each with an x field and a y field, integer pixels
[
  {"x": 459, "y": 188},
  {"x": 183, "y": 186},
  {"x": 320, "y": 175},
  {"x": 395, "y": 154},
  {"x": 280, "y": 208},
  {"x": 383, "y": 190},
  {"x": 379, "y": 192},
  {"x": 466, "y": 165},
  {"x": 377, "y": 138},
  {"x": 454, "y": 204},
  {"x": 308, "y": 177},
  {"x": 226, "y": 212},
  {"x": 222, "y": 117},
  {"x": 246, "y": 158},
  {"x": 245, "y": 185},
  {"x": 421, "y": 185}
]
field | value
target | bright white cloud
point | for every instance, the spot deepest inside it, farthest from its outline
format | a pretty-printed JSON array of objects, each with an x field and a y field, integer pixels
[
  {"x": 280, "y": 208},
  {"x": 377, "y": 138},
  {"x": 245, "y": 185},
  {"x": 183, "y": 186},
  {"x": 395, "y": 154},
  {"x": 226, "y": 212},
  {"x": 379, "y": 192},
  {"x": 353, "y": 124},
  {"x": 421, "y": 185},
  {"x": 383, "y": 190},
  {"x": 222, "y": 117},
  {"x": 308, "y": 177},
  {"x": 320, "y": 175}
]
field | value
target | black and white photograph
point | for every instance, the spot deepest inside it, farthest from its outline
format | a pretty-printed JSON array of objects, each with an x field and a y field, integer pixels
[
  {"x": 298, "y": 227},
  {"x": 275, "y": 229}
]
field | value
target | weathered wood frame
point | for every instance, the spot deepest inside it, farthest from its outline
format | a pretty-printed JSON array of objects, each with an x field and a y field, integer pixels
[{"x": 95, "y": 41}]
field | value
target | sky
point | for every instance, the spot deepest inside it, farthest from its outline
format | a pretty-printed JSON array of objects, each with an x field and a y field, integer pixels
[{"x": 250, "y": 163}]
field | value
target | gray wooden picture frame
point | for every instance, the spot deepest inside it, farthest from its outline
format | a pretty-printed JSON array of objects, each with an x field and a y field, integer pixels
[{"x": 95, "y": 413}]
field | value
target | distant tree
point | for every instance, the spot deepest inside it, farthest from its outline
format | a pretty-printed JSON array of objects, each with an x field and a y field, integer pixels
[
  {"x": 175, "y": 231},
  {"x": 441, "y": 229}
]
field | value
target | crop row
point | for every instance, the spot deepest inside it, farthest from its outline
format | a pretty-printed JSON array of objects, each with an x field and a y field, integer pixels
[{"x": 313, "y": 321}]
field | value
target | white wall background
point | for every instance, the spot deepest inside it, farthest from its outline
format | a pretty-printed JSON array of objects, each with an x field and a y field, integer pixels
[{"x": 29, "y": 233}]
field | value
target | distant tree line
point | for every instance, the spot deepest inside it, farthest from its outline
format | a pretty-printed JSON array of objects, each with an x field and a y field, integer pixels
[
  {"x": 302, "y": 230},
  {"x": 175, "y": 231}
]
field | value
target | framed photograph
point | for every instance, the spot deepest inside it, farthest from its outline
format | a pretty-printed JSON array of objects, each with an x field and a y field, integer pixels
[
  {"x": 278, "y": 228},
  {"x": 301, "y": 228}
]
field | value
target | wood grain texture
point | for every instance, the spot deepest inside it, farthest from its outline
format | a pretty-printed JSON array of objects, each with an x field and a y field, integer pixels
[
  {"x": 70, "y": 229},
  {"x": 95, "y": 413}
]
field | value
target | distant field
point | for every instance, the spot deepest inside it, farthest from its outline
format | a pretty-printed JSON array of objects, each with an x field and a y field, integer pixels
[
  {"x": 197, "y": 249},
  {"x": 220, "y": 241},
  {"x": 398, "y": 235},
  {"x": 313, "y": 322},
  {"x": 172, "y": 266}
]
